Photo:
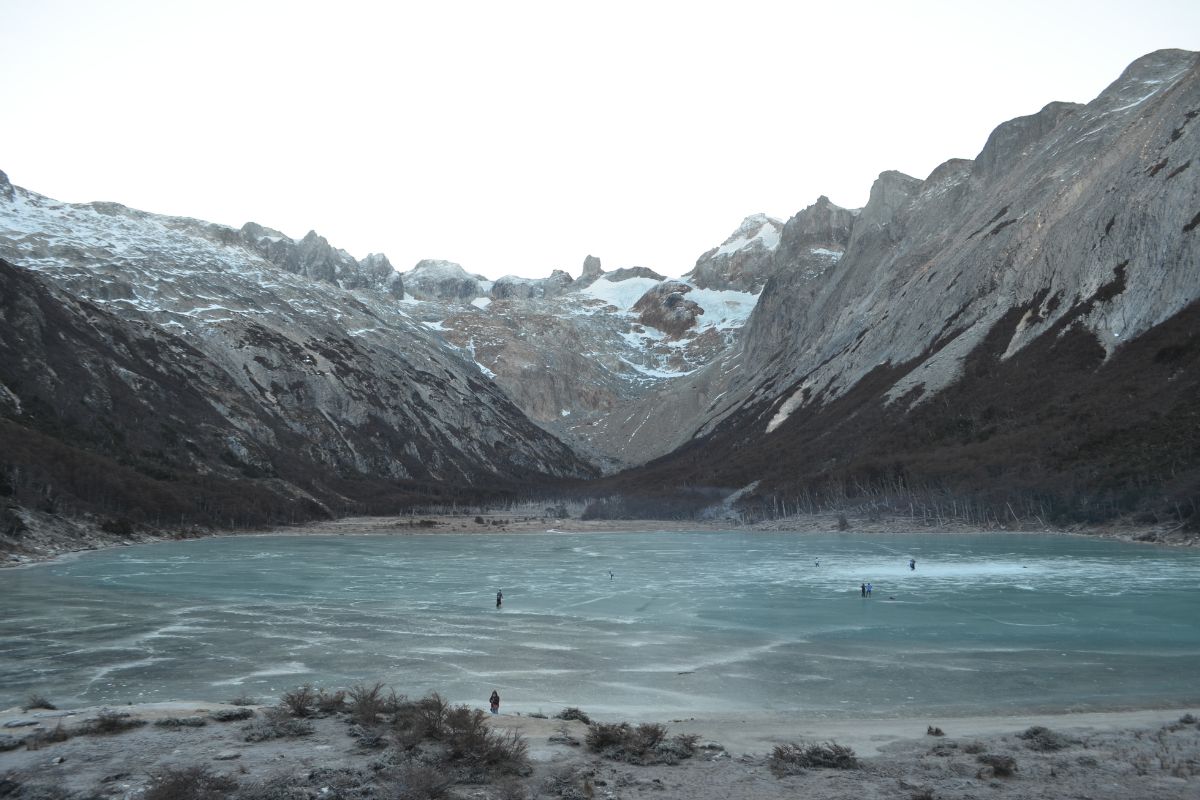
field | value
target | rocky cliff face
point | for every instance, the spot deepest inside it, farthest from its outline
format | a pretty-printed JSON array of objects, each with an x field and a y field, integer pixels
[{"x": 971, "y": 309}]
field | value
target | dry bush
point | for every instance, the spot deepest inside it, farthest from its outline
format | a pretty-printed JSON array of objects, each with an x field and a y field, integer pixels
[
  {"x": 572, "y": 713},
  {"x": 644, "y": 744},
  {"x": 276, "y": 723},
  {"x": 470, "y": 741},
  {"x": 368, "y": 737},
  {"x": 189, "y": 783},
  {"x": 39, "y": 739},
  {"x": 1003, "y": 766},
  {"x": 1044, "y": 740},
  {"x": 181, "y": 722},
  {"x": 330, "y": 702},
  {"x": 243, "y": 699},
  {"x": 466, "y": 734},
  {"x": 300, "y": 702},
  {"x": 231, "y": 714},
  {"x": 36, "y": 700},
  {"x": 932, "y": 731},
  {"x": 417, "y": 782},
  {"x": 794, "y": 759},
  {"x": 1188, "y": 719},
  {"x": 432, "y": 711},
  {"x": 366, "y": 703},
  {"x": 110, "y": 722},
  {"x": 418, "y": 720}
]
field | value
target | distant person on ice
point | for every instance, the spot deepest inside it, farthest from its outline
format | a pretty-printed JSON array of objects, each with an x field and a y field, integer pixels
[
  {"x": 499, "y": 600},
  {"x": 495, "y": 700},
  {"x": 912, "y": 563},
  {"x": 863, "y": 589}
]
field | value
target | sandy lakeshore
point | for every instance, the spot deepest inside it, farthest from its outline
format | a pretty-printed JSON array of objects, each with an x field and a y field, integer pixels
[{"x": 1114, "y": 755}]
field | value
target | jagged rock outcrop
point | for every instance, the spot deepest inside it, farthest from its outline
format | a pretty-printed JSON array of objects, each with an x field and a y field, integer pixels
[
  {"x": 316, "y": 259},
  {"x": 625, "y": 273},
  {"x": 512, "y": 287},
  {"x": 744, "y": 261},
  {"x": 975, "y": 332},
  {"x": 666, "y": 308},
  {"x": 591, "y": 269},
  {"x": 380, "y": 273},
  {"x": 434, "y": 279}
]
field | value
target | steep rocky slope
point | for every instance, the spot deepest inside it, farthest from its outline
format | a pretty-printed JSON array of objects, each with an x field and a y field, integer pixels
[
  {"x": 1021, "y": 326},
  {"x": 289, "y": 371}
]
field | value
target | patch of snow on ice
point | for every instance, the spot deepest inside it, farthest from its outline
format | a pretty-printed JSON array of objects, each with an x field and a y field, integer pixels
[
  {"x": 652, "y": 372},
  {"x": 723, "y": 308},
  {"x": 481, "y": 302},
  {"x": 566, "y": 412},
  {"x": 821, "y": 251},
  {"x": 637, "y": 340},
  {"x": 622, "y": 294}
]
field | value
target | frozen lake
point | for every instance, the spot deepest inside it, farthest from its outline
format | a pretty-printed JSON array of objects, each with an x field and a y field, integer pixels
[{"x": 688, "y": 622}]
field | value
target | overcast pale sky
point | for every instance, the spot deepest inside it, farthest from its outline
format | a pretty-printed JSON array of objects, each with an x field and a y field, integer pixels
[{"x": 517, "y": 137}]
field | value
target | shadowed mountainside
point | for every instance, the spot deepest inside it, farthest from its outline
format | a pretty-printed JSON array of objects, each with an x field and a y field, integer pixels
[{"x": 1017, "y": 332}]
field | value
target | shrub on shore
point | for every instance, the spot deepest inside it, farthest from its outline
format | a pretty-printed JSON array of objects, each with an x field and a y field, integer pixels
[
  {"x": 1001, "y": 765},
  {"x": 300, "y": 702},
  {"x": 643, "y": 744},
  {"x": 36, "y": 700},
  {"x": 181, "y": 722},
  {"x": 276, "y": 723},
  {"x": 795, "y": 759},
  {"x": 39, "y": 739},
  {"x": 109, "y": 722},
  {"x": 462, "y": 736},
  {"x": 231, "y": 714},
  {"x": 189, "y": 783},
  {"x": 366, "y": 703},
  {"x": 1043, "y": 739},
  {"x": 572, "y": 713}
]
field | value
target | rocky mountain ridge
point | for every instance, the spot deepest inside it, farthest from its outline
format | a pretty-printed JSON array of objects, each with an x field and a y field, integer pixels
[
  {"x": 952, "y": 344},
  {"x": 281, "y": 371}
]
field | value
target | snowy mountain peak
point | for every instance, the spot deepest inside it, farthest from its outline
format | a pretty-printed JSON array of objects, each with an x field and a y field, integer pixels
[{"x": 744, "y": 260}]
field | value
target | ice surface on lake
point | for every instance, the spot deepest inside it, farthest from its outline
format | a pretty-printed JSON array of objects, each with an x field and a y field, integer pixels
[{"x": 688, "y": 622}]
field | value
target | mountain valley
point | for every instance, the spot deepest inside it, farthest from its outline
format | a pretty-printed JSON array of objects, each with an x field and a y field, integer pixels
[{"x": 1016, "y": 337}]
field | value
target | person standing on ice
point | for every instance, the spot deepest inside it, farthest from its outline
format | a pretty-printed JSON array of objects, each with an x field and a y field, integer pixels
[
  {"x": 499, "y": 598},
  {"x": 494, "y": 700}
]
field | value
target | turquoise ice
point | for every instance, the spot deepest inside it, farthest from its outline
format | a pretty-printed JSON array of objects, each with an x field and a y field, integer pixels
[{"x": 714, "y": 622}]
